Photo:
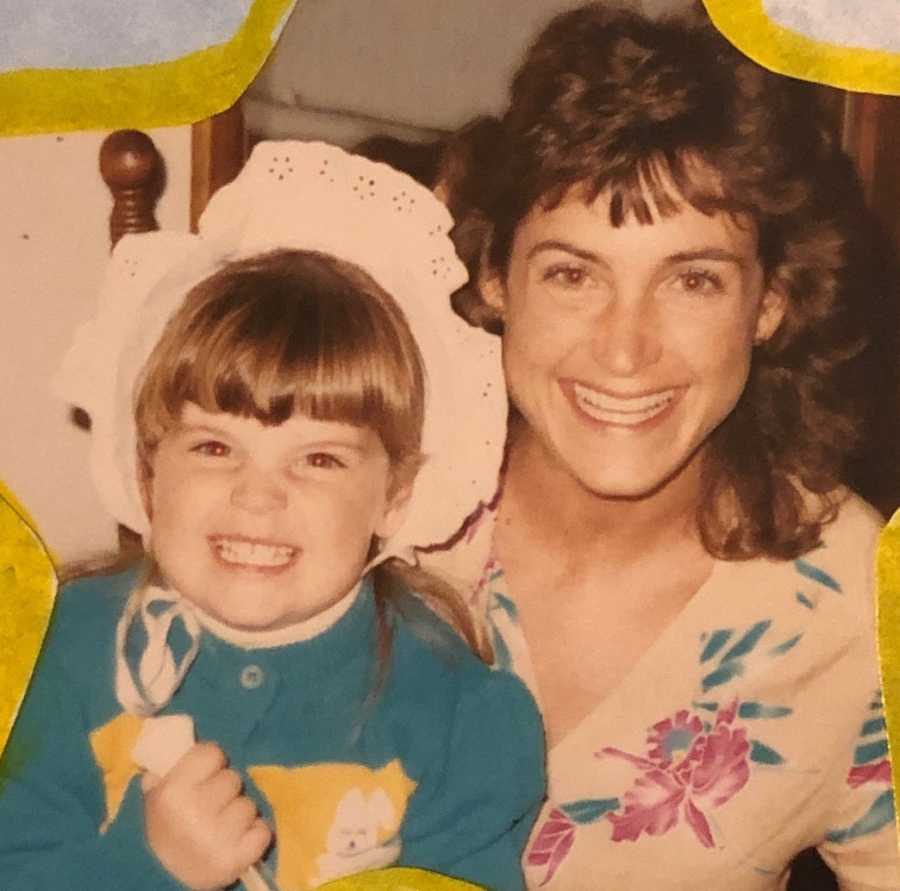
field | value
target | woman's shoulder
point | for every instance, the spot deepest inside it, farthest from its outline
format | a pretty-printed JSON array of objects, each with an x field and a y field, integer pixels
[{"x": 848, "y": 546}]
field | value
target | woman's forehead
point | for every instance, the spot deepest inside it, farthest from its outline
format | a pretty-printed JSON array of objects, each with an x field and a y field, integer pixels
[{"x": 586, "y": 223}]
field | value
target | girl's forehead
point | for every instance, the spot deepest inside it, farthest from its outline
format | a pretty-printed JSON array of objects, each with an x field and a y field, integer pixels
[{"x": 298, "y": 429}]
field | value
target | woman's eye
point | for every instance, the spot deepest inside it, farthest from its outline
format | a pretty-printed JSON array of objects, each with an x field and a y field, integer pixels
[
  {"x": 700, "y": 281},
  {"x": 567, "y": 275},
  {"x": 324, "y": 461},
  {"x": 212, "y": 449}
]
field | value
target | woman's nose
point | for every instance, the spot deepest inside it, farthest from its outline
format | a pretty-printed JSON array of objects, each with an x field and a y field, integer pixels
[
  {"x": 259, "y": 491},
  {"x": 626, "y": 337}
]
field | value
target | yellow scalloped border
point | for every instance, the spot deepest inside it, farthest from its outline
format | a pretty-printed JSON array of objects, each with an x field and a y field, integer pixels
[
  {"x": 888, "y": 605},
  {"x": 746, "y": 24},
  {"x": 400, "y": 878},
  {"x": 181, "y": 91},
  {"x": 27, "y": 593}
]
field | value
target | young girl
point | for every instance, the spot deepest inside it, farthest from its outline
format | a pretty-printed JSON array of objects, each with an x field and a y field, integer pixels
[{"x": 273, "y": 407}]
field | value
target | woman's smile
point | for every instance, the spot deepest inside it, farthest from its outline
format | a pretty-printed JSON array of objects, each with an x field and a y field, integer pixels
[{"x": 634, "y": 412}]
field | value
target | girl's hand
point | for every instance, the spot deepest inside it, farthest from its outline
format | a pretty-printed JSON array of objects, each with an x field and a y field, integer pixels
[{"x": 201, "y": 827}]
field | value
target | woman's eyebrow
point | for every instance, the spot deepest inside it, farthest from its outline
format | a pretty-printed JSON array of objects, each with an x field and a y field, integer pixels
[
  {"x": 708, "y": 253},
  {"x": 552, "y": 244}
]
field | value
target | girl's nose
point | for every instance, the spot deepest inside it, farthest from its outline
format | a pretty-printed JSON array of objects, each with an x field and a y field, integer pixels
[
  {"x": 258, "y": 491},
  {"x": 626, "y": 337}
]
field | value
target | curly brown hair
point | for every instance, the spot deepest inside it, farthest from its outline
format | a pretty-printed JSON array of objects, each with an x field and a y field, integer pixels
[{"x": 657, "y": 113}]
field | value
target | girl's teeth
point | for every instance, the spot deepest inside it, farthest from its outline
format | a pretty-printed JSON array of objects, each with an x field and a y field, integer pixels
[
  {"x": 628, "y": 412},
  {"x": 253, "y": 553}
]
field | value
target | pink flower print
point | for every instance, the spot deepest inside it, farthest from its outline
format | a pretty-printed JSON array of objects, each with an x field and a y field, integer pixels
[
  {"x": 651, "y": 806},
  {"x": 879, "y": 772},
  {"x": 668, "y": 738},
  {"x": 552, "y": 843},
  {"x": 714, "y": 768}
]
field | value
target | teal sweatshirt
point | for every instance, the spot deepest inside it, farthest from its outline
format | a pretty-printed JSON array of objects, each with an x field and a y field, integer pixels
[{"x": 444, "y": 770}]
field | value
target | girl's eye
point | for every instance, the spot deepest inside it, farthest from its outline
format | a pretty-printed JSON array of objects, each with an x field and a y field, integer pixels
[
  {"x": 212, "y": 449},
  {"x": 324, "y": 461},
  {"x": 700, "y": 281},
  {"x": 567, "y": 275}
]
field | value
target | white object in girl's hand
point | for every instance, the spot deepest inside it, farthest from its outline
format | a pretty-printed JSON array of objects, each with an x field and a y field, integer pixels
[{"x": 160, "y": 745}]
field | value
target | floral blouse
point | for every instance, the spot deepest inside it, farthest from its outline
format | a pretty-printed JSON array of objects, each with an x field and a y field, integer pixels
[{"x": 751, "y": 729}]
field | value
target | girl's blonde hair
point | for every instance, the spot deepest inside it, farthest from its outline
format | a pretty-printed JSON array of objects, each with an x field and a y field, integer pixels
[{"x": 300, "y": 331}]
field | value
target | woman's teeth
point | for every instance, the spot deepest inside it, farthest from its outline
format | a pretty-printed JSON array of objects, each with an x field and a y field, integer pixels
[
  {"x": 624, "y": 412},
  {"x": 247, "y": 553}
]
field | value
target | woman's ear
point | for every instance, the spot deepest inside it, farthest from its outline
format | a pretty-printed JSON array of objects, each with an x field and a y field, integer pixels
[
  {"x": 493, "y": 290},
  {"x": 772, "y": 306}
]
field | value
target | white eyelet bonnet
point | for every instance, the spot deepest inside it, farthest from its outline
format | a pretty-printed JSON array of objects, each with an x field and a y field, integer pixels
[{"x": 305, "y": 196}]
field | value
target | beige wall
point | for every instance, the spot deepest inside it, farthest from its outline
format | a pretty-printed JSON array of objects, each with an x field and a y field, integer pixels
[{"x": 53, "y": 243}]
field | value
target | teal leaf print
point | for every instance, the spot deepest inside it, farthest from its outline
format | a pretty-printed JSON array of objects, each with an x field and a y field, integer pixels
[
  {"x": 748, "y": 641},
  {"x": 816, "y": 574},
  {"x": 706, "y": 706},
  {"x": 717, "y": 640},
  {"x": 722, "y": 675},
  {"x": 804, "y": 600},
  {"x": 589, "y": 810},
  {"x": 880, "y": 814},
  {"x": 758, "y": 710},
  {"x": 763, "y": 754},
  {"x": 873, "y": 725},
  {"x": 502, "y": 657},
  {"x": 506, "y": 605},
  {"x": 789, "y": 644},
  {"x": 870, "y": 752}
]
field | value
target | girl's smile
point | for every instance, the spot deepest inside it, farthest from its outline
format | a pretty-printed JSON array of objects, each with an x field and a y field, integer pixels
[{"x": 265, "y": 526}]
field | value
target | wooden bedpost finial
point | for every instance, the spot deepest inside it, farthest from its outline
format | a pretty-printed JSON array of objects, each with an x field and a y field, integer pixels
[{"x": 133, "y": 170}]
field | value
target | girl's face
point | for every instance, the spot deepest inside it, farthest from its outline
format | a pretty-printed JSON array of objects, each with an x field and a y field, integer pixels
[
  {"x": 624, "y": 348},
  {"x": 262, "y": 527}
]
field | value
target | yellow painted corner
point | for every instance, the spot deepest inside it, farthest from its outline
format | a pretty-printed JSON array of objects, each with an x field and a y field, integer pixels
[
  {"x": 27, "y": 592},
  {"x": 746, "y": 24},
  {"x": 888, "y": 584},
  {"x": 181, "y": 91}
]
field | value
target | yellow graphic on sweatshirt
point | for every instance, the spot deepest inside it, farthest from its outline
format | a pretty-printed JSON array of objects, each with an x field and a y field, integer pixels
[
  {"x": 27, "y": 592},
  {"x": 112, "y": 744},
  {"x": 810, "y": 50},
  {"x": 334, "y": 820},
  {"x": 888, "y": 578}
]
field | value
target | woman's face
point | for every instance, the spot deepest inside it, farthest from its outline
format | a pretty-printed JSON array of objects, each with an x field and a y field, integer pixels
[{"x": 624, "y": 348}]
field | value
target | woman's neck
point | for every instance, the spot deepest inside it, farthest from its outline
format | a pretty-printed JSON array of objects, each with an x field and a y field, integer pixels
[{"x": 558, "y": 511}]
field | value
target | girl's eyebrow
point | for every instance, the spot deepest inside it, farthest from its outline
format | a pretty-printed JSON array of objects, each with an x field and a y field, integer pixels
[
  {"x": 334, "y": 444},
  {"x": 191, "y": 429}
]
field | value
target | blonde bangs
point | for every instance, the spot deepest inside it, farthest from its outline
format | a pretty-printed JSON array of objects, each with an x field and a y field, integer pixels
[{"x": 286, "y": 332}]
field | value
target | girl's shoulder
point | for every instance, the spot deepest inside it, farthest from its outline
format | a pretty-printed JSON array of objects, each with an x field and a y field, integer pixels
[
  {"x": 87, "y": 605},
  {"x": 430, "y": 660}
]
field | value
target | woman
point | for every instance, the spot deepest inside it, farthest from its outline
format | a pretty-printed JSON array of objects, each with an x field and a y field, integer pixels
[{"x": 672, "y": 565}]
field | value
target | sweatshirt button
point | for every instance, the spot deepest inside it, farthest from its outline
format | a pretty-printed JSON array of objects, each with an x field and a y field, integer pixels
[{"x": 252, "y": 677}]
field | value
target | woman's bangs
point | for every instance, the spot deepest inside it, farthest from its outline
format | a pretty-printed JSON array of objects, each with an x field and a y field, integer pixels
[{"x": 660, "y": 185}]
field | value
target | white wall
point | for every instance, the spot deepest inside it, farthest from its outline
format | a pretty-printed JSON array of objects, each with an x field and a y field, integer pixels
[
  {"x": 427, "y": 63},
  {"x": 53, "y": 244}
]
